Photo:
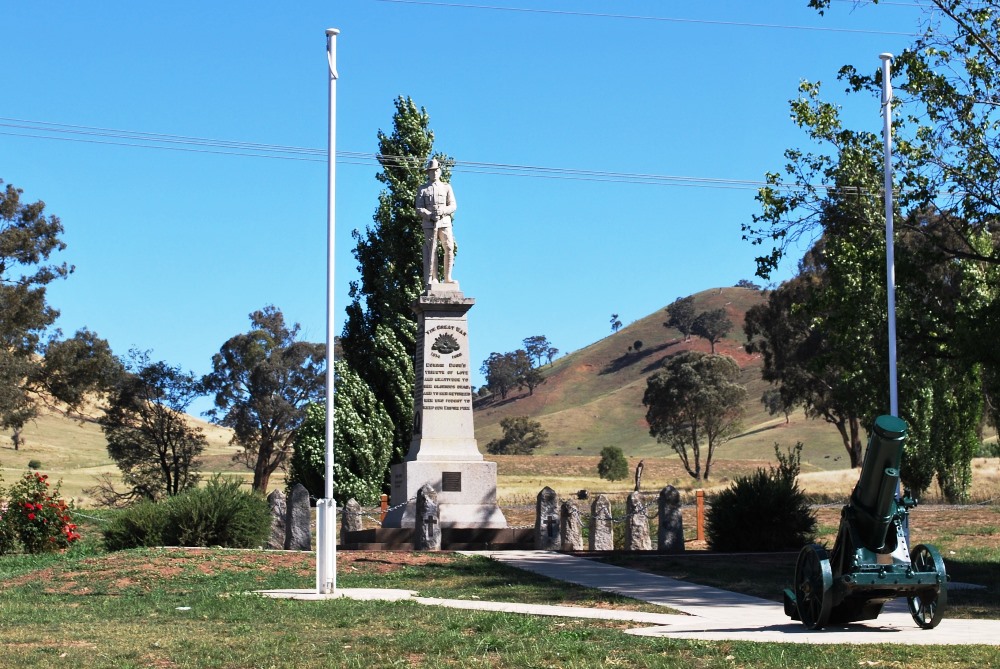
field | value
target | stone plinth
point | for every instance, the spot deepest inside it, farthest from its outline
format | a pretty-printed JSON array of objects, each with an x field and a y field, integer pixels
[{"x": 443, "y": 452}]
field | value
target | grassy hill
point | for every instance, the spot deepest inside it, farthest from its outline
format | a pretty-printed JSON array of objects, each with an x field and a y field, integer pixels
[
  {"x": 592, "y": 398},
  {"x": 75, "y": 451}
]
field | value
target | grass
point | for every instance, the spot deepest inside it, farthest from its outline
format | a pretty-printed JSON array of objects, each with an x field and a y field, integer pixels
[{"x": 193, "y": 608}]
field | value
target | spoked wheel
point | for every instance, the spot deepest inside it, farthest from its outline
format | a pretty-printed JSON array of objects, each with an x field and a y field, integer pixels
[
  {"x": 813, "y": 586},
  {"x": 927, "y": 608}
]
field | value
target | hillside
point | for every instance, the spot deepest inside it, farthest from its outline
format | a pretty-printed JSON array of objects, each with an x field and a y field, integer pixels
[
  {"x": 592, "y": 398},
  {"x": 75, "y": 451}
]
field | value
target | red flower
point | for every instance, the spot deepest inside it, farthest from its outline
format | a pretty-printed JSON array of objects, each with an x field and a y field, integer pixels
[{"x": 31, "y": 516}]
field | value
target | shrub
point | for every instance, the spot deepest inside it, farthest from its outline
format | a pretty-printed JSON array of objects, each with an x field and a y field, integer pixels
[
  {"x": 34, "y": 465},
  {"x": 142, "y": 524},
  {"x": 36, "y": 517},
  {"x": 221, "y": 513},
  {"x": 613, "y": 465},
  {"x": 521, "y": 436},
  {"x": 765, "y": 511}
]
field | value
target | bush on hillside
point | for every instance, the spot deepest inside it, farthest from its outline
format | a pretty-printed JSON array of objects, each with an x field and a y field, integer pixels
[
  {"x": 765, "y": 512},
  {"x": 221, "y": 513},
  {"x": 613, "y": 465}
]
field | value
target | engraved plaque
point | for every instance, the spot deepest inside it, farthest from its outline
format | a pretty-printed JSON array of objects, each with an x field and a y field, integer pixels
[{"x": 451, "y": 481}]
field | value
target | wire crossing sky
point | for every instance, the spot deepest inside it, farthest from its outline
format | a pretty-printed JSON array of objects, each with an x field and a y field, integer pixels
[{"x": 604, "y": 164}]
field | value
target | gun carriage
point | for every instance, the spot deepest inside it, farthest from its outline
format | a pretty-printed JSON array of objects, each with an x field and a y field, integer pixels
[{"x": 870, "y": 563}]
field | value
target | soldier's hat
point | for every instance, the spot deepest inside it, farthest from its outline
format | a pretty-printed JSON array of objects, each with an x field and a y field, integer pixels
[{"x": 432, "y": 165}]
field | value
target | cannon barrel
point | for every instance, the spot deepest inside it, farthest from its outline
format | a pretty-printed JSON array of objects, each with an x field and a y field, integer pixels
[{"x": 873, "y": 502}]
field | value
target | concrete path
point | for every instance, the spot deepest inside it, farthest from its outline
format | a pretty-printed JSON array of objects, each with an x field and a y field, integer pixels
[
  {"x": 706, "y": 613},
  {"x": 716, "y": 614}
]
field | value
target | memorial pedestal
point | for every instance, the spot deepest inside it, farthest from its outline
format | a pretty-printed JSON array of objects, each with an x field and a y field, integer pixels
[{"x": 443, "y": 452}]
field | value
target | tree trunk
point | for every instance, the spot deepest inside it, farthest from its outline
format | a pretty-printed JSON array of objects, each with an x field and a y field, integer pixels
[{"x": 856, "y": 445}]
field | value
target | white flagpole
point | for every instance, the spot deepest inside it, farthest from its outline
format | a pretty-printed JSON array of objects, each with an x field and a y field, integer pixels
[
  {"x": 890, "y": 263},
  {"x": 326, "y": 509}
]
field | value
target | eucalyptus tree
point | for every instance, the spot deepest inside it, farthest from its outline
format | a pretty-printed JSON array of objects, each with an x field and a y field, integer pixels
[
  {"x": 694, "y": 404},
  {"x": 263, "y": 381},
  {"x": 36, "y": 365}
]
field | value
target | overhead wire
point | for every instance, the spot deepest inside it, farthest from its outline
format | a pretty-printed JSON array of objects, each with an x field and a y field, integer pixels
[
  {"x": 667, "y": 19},
  {"x": 184, "y": 143}
]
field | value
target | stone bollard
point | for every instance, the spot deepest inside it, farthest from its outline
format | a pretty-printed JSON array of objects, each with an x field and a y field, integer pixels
[
  {"x": 427, "y": 533},
  {"x": 297, "y": 520},
  {"x": 350, "y": 521},
  {"x": 547, "y": 521},
  {"x": 570, "y": 527},
  {"x": 602, "y": 536},
  {"x": 637, "y": 524},
  {"x": 276, "y": 501},
  {"x": 670, "y": 536}
]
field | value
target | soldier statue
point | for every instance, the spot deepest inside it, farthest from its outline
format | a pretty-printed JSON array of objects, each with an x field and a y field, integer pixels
[{"x": 435, "y": 204}]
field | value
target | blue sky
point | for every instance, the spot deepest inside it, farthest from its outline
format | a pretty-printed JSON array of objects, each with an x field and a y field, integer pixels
[{"x": 174, "y": 248}]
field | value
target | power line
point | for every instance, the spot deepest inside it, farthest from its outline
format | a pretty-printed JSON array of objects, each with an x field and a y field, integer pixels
[
  {"x": 188, "y": 144},
  {"x": 668, "y": 19}
]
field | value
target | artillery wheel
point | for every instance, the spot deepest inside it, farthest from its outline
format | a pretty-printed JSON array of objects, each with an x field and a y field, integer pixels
[
  {"x": 928, "y": 611},
  {"x": 813, "y": 586}
]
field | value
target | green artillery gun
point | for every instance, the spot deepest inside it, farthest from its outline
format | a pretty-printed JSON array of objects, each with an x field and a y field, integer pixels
[{"x": 871, "y": 562}]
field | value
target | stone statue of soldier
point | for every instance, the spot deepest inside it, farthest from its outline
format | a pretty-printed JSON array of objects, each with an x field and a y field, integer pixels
[{"x": 435, "y": 204}]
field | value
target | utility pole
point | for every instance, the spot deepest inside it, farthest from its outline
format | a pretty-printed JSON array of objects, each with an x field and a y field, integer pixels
[
  {"x": 890, "y": 262},
  {"x": 326, "y": 509}
]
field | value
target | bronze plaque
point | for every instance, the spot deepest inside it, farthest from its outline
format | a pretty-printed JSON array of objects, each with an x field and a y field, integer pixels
[{"x": 451, "y": 481}]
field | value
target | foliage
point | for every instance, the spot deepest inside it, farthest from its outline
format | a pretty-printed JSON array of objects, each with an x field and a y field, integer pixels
[
  {"x": 36, "y": 518},
  {"x": 695, "y": 398},
  {"x": 616, "y": 324},
  {"x": 263, "y": 380},
  {"x": 220, "y": 513},
  {"x": 504, "y": 371},
  {"x": 33, "y": 369},
  {"x": 521, "y": 436},
  {"x": 797, "y": 357},
  {"x": 775, "y": 403},
  {"x": 380, "y": 335},
  {"x": 362, "y": 443},
  {"x": 748, "y": 284},
  {"x": 948, "y": 248},
  {"x": 613, "y": 465},
  {"x": 681, "y": 315},
  {"x": 141, "y": 525},
  {"x": 765, "y": 511},
  {"x": 34, "y": 464},
  {"x": 712, "y": 326},
  {"x": 789, "y": 464},
  {"x": 538, "y": 347},
  {"x": 531, "y": 379},
  {"x": 148, "y": 434}
]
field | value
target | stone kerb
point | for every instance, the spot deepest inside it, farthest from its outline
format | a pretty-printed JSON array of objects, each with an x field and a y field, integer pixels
[
  {"x": 351, "y": 519},
  {"x": 570, "y": 527},
  {"x": 297, "y": 524},
  {"x": 636, "y": 524},
  {"x": 276, "y": 502},
  {"x": 601, "y": 529},
  {"x": 427, "y": 533},
  {"x": 547, "y": 520},
  {"x": 670, "y": 536}
]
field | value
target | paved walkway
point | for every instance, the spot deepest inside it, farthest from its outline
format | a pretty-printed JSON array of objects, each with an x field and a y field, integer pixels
[{"x": 707, "y": 613}]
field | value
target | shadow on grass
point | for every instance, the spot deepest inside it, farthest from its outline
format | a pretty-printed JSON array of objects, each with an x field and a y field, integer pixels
[{"x": 634, "y": 357}]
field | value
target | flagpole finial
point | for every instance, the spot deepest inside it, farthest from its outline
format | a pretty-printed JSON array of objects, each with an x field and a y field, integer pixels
[
  {"x": 883, "y": 56},
  {"x": 333, "y": 32}
]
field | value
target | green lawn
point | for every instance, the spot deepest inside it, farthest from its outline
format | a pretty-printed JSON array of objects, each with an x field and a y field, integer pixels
[{"x": 195, "y": 608}]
